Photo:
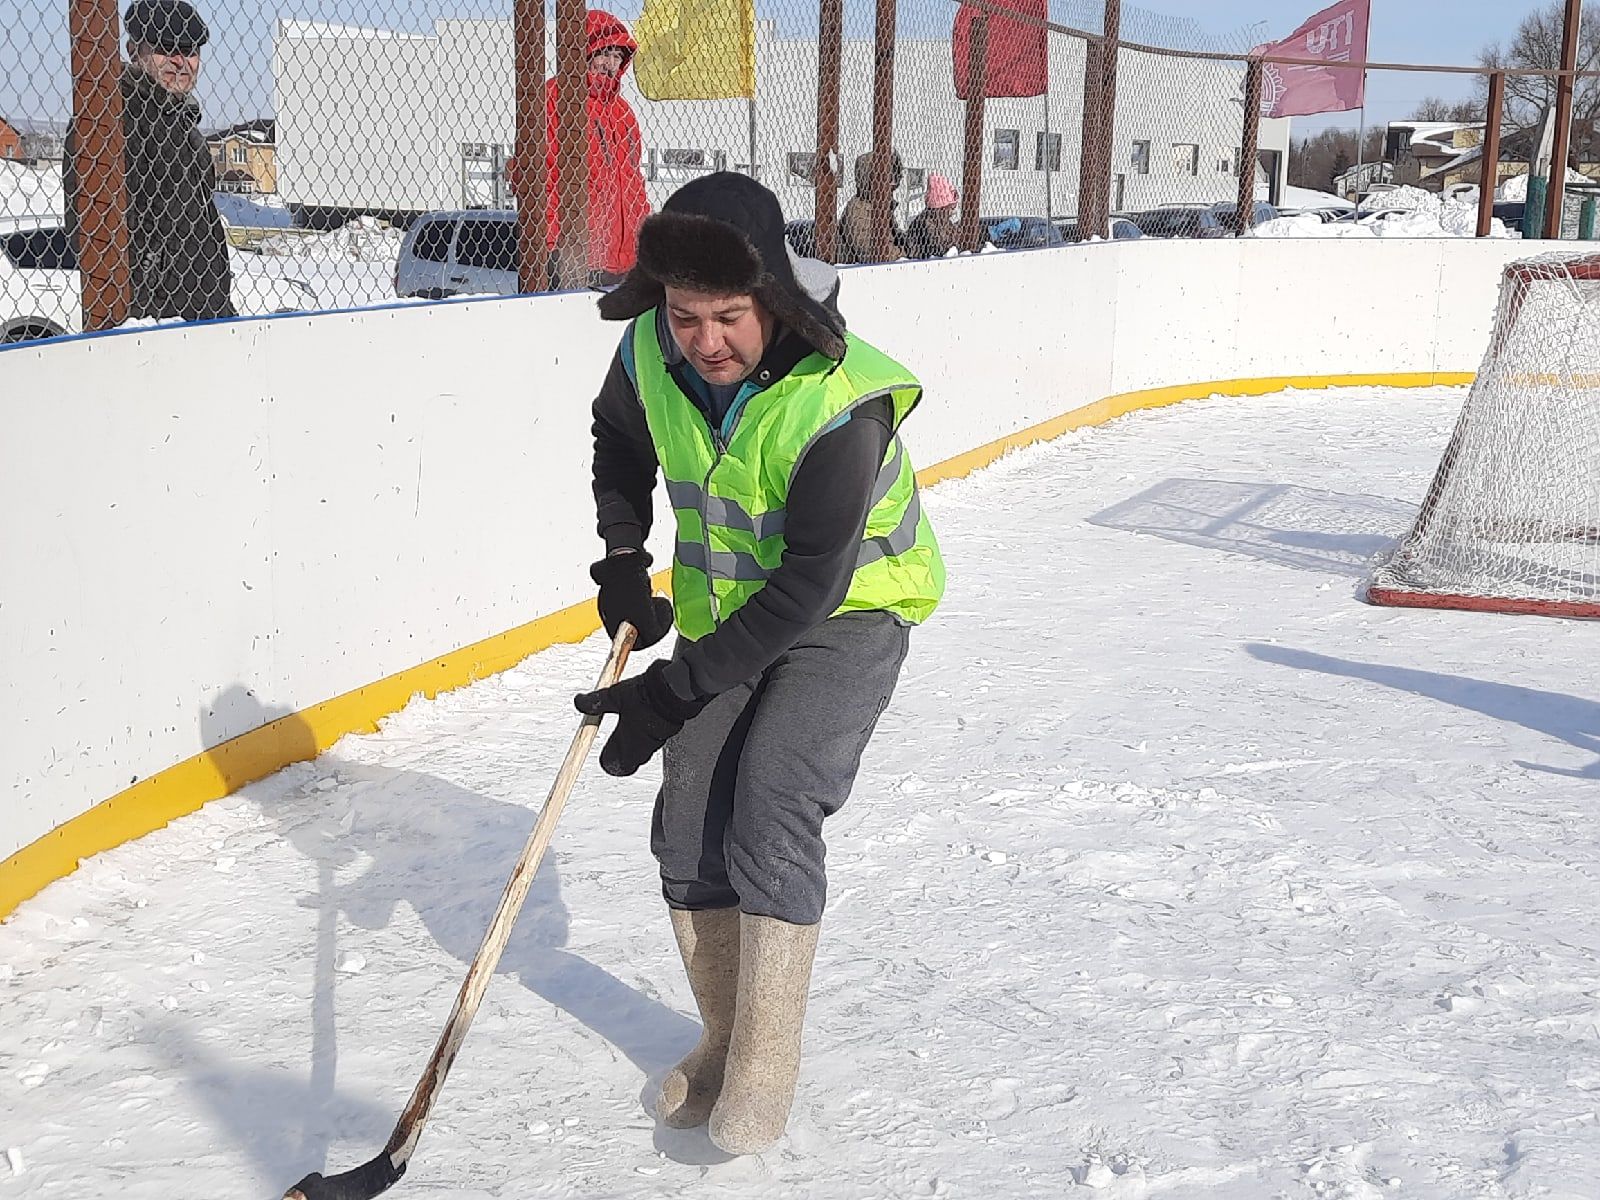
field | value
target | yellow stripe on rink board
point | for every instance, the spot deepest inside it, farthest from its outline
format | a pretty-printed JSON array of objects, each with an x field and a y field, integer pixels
[
  {"x": 1113, "y": 407},
  {"x": 184, "y": 787}
]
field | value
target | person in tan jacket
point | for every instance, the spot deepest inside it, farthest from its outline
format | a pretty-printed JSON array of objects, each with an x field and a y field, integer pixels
[{"x": 855, "y": 226}]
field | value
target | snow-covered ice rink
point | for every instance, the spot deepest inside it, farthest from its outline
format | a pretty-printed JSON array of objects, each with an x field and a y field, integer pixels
[{"x": 1174, "y": 870}]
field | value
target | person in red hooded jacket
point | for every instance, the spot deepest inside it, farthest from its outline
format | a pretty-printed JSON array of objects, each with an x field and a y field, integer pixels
[{"x": 617, "y": 202}]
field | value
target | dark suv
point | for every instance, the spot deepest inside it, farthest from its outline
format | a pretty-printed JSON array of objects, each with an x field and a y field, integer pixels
[{"x": 1180, "y": 223}]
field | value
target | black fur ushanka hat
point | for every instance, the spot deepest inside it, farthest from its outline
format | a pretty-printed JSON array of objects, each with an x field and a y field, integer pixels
[{"x": 723, "y": 234}]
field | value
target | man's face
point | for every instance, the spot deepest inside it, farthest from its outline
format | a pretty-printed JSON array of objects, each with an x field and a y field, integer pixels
[
  {"x": 723, "y": 337},
  {"x": 173, "y": 70},
  {"x": 608, "y": 62}
]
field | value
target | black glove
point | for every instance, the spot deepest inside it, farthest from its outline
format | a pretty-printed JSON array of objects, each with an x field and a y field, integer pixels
[
  {"x": 624, "y": 581},
  {"x": 648, "y": 712}
]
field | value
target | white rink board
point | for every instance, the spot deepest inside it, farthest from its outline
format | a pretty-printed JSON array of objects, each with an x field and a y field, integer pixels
[{"x": 204, "y": 527}]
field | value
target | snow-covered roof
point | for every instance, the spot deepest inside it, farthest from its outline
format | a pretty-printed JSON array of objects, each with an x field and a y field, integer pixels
[
  {"x": 1436, "y": 136},
  {"x": 1299, "y": 197},
  {"x": 1430, "y": 128}
]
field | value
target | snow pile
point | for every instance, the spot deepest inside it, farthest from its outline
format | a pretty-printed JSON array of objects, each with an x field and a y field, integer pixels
[
  {"x": 1515, "y": 187},
  {"x": 1404, "y": 199},
  {"x": 349, "y": 267},
  {"x": 30, "y": 192},
  {"x": 1406, "y": 212},
  {"x": 254, "y": 212},
  {"x": 363, "y": 240}
]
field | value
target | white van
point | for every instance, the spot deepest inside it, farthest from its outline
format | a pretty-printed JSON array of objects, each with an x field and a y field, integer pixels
[{"x": 469, "y": 252}]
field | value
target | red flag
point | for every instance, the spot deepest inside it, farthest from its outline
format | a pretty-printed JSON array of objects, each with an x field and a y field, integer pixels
[
  {"x": 1018, "y": 60},
  {"x": 1334, "y": 35}
]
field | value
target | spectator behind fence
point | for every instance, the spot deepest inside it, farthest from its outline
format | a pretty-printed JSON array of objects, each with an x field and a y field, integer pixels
[
  {"x": 855, "y": 226},
  {"x": 177, "y": 251},
  {"x": 617, "y": 201},
  {"x": 932, "y": 233}
]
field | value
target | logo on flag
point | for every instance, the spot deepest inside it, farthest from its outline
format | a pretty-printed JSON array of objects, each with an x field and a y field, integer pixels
[{"x": 1335, "y": 35}]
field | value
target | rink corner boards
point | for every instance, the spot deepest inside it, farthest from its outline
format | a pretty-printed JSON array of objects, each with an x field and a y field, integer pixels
[{"x": 186, "y": 786}]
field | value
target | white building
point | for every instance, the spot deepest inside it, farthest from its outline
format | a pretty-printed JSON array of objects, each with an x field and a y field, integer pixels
[{"x": 374, "y": 120}]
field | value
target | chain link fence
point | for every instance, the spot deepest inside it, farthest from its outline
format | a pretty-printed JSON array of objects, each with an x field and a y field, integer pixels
[{"x": 165, "y": 160}]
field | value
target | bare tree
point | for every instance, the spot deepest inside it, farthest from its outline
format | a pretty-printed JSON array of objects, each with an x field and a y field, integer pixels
[
  {"x": 1315, "y": 162},
  {"x": 1537, "y": 46},
  {"x": 1432, "y": 108}
]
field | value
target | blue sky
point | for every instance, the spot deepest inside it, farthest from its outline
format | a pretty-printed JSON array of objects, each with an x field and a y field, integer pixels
[{"x": 237, "y": 84}]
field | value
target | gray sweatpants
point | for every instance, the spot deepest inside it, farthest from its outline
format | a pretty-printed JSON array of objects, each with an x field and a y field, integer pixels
[{"x": 747, "y": 783}]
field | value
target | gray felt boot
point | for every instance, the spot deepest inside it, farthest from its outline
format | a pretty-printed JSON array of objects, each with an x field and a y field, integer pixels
[
  {"x": 764, "y": 1055},
  {"x": 709, "y": 943}
]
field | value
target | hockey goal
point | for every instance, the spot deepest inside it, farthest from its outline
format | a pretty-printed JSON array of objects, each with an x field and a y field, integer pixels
[{"x": 1511, "y": 522}]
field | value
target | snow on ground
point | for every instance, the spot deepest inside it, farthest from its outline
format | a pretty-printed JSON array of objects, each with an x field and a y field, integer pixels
[
  {"x": 349, "y": 267},
  {"x": 29, "y": 192},
  {"x": 1174, "y": 870},
  {"x": 254, "y": 212}
]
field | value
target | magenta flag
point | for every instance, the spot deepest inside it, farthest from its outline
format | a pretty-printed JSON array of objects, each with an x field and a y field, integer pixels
[{"x": 1334, "y": 35}]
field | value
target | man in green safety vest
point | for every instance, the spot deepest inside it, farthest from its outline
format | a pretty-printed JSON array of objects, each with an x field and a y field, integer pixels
[{"x": 802, "y": 559}]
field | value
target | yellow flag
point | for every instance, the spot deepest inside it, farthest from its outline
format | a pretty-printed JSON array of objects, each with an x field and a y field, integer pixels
[{"x": 696, "y": 49}]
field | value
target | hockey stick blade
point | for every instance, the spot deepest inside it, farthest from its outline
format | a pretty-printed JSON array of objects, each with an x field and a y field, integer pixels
[{"x": 368, "y": 1180}]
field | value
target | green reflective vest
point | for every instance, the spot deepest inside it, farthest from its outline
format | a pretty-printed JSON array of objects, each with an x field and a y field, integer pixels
[{"x": 728, "y": 486}]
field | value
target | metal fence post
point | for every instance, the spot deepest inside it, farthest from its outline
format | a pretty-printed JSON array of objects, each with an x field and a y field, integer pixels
[
  {"x": 1245, "y": 218},
  {"x": 1093, "y": 216},
  {"x": 572, "y": 143},
  {"x": 1489, "y": 177},
  {"x": 1099, "y": 126},
  {"x": 830, "y": 50},
  {"x": 530, "y": 185},
  {"x": 970, "y": 237},
  {"x": 98, "y": 208},
  {"x": 881, "y": 189},
  {"x": 1563, "y": 140}
]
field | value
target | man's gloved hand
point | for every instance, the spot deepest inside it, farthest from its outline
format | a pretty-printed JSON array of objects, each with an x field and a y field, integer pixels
[
  {"x": 624, "y": 581},
  {"x": 648, "y": 712}
]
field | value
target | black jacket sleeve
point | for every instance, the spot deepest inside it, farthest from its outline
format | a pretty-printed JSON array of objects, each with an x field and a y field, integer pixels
[
  {"x": 826, "y": 516},
  {"x": 624, "y": 462}
]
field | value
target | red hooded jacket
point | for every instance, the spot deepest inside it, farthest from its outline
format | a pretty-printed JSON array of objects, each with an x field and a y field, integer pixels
[{"x": 617, "y": 202}]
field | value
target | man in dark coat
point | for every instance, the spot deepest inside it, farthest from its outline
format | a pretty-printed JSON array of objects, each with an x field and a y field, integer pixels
[{"x": 177, "y": 252}]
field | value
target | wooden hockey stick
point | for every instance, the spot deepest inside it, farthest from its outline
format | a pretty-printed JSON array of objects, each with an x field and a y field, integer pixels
[{"x": 377, "y": 1175}]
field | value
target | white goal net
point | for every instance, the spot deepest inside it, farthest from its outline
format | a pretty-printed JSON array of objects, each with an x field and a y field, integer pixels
[{"x": 1511, "y": 522}]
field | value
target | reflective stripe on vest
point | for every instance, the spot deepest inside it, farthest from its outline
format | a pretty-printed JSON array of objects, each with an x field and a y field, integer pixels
[{"x": 728, "y": 486}]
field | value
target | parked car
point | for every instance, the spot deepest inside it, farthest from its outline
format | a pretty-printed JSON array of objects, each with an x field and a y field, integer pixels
[
  {"x": 40, "y": 293},
  {"x": 1228, "y": 214},
  {"x": 467, "y": 252},
  {"x": 1122, "y": 229},
  {"x": 1008, "y": 233},
  {"x": 1021, "y": 233},
  {"x": 1180, "y": 222}
]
